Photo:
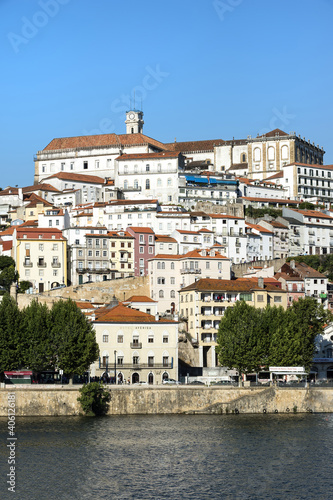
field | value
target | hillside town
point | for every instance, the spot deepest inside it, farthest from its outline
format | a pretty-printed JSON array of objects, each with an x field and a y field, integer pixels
[{"x": 204, "y": 224}]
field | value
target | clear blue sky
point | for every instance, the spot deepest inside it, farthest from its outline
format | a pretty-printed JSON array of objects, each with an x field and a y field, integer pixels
[{"x": 205, "y": 69}]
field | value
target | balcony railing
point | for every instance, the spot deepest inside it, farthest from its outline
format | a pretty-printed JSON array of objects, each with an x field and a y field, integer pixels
[
  {"x": 190, "y": 271},
  {"x": 136, "y": 345},
  {"x": 136, "y": 366},
  {"x": 41, "y": 264},
  {"x": 55, "y": 264},
  {"x": 27, "y": 264}
]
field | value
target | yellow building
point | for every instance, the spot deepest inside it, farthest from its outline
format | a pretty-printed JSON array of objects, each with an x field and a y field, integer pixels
[
  {"x": 204, "y": 302},
  {"x": 121, "y": 249},
  {"x": 41, "y": 256}
]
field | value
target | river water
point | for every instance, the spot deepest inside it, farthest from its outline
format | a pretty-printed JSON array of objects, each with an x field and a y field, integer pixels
[{"x": 190, "y": 457}]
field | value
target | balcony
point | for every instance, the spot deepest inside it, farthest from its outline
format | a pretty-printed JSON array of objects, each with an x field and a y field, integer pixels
[
  {"x": 237, "y": 244},
  {"x": 136, "y": 366},
  {"x": 27, "y": 263},
  {"x": 190, "y": 271},
  {"x": 56, "y": 264},
  {"x": 123, "y": 259},
  {"x": 41, "y": 264},
  {"x": 136, "y": 345}
]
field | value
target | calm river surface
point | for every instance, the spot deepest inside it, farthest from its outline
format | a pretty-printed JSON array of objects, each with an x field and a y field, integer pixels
[{"x": 171, "y": 457}]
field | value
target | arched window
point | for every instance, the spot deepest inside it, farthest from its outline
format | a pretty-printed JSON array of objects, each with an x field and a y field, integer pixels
[
  {"x": 147, "y": 184},
  {"x": 163, "y": 265},
  {"x": 125, "y": 184},
  {"x": 284, "y": 153},
  {"x": 243, "y": 158},
  {"x": 136, "y": 183},
  {"x": 256, "y": 154},
  {"x": 169, "y": 181},
  {"x": 158, "y": 265},
  {"x": 159, "y": 182},
  {"x": 172, "y": 265},
  {"x": 161, "y": 294},
  {"x": 271, "y": 153},
  {"x": 172, "y": 294}
]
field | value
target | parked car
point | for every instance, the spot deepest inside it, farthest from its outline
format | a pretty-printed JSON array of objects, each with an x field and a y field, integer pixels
[
  {"x": 226, "y": 382},
  {"x": 171, "y": 381},
  {"x": 196, "y": 382}
]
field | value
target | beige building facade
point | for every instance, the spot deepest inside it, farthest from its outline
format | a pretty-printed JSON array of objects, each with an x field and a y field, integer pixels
[{"x": 135, "y": 346}]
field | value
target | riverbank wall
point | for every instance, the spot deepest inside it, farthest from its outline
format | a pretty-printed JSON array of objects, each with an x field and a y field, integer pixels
[{"x": 62, "y": 401}]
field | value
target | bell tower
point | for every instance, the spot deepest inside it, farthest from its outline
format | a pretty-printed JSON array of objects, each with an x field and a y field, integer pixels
[{"x": 134, "y": 122}]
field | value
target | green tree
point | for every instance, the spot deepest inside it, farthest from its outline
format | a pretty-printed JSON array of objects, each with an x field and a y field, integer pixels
[
  {"x": 24, "y": 286},
  {"x": 8, "y": 276},
  {"x": 36, "y": 330},
  {"x": 74, "y": 345},
  {"x": 94, "y": 399},
  {"x": 241, "y": 344},
  {"x": 11, "y": 354}
]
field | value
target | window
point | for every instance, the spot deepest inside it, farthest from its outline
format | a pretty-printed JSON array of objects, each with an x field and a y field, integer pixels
[
  {"x": 105, "y": 338},
  {"x": 260, "y": 298},
  {"x": 172, "y": 294},
  {"x": 161, "y": 294},
  {"x": 135, "y": 360},
  {"x": 172, "y": 265},
  {"x": 141, "y": 249},
  {"x": 165, "y": 360},
  {"x": 150, "y": 339},
  {"x": 120, "y": 339},
  {"x": 151, "y": 250},
  {"x": 85, "y": 165},
  {"x": 165, "y": 339},
  {"x": 277, "y": 299},
  {"x": 207, "y": 265},
  {"x": 172, "y": 281},
  {"x": 150, "y": 360},
  {"x": 161, "y": 281},
  {"x": 159, "y": 182},
  {"x": 147, "y": 184},
  {"x": 147, "y": 167},
  {"x": 72, "y": 166}
]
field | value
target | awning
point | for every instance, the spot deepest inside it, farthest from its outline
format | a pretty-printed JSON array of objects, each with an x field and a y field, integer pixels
[{"x": 22, "y": 373}]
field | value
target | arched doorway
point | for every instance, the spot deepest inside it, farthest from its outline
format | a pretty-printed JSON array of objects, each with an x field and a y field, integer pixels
[
  {"x": 173, "y": 307},
  {"x": 135, "y": 378},
  {"x": 330, "y": 373},
  {"x": 150, "y": 378},
  {"x": 165, "y": 376},
  {"x": 120, "y": 378}
]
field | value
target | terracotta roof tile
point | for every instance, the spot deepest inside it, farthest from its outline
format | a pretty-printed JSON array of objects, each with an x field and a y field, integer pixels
[
  {"x": 104, "y": 140},
  {"x": 148, "y": 156},
  {"x": 208, "y": 284},
  {"x": 122, "y": 314},
  {"x": 68, "y": 176}
]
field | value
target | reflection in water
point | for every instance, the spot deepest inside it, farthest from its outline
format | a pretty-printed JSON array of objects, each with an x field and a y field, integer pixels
[{"x": 172, "y": 457}]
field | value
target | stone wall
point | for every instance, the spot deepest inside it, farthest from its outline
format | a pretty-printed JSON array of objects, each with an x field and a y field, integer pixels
[
  {"x": 56, "y": 401},
  {"x": 98, "y": 292},
  {"x": 240, "y": 269}
]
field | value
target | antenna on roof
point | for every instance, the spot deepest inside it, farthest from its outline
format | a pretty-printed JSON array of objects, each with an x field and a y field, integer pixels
[
  {"x": 141, "y": 104},
  {"x": 134, "y": 98},
  {"x": 130, "y": 103}
]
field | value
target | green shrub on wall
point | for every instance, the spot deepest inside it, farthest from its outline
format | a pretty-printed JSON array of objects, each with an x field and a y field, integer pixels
[{"x": 94, "y": 399}]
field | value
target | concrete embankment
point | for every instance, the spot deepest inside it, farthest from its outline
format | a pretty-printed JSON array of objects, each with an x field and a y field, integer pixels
[{"x": 62, "y": 401}]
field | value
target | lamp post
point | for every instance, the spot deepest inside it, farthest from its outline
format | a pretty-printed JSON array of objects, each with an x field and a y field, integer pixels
[
  {"x": 115, "y": 367},
  {"x": 106, "y": 365}
]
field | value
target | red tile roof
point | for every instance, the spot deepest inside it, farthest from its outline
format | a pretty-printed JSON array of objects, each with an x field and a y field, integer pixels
[
  {"x": 91, "y": 141},
  {"x": 274, "y": 132},
  {"x": 207, "y": 145},
  {"x": 68, "y": 176},
  {"x": 160, "y": 238},
  {"x": 209, "y": 284},
  {"x": 281, "y": 201},
  {"x": 278, "y": 175},
  {"x": 313, "y": 213},
  {"x": 148, "y": 156},
  {"x": 147, "y": 230},
  {"x": 122, "y": 314},
  {"x": 34, "y": 233},
  {"x": 259, "y": 228},
  {"x": 140, "y": 298}
]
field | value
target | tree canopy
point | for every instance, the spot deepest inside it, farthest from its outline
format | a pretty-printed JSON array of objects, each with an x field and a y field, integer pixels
[
  {"x": 7, "y": 271},
  {"x": 251, "y": 339},
  {"x": 39, "y": 339}
]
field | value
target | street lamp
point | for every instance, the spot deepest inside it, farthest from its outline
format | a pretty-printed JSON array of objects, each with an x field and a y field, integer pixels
[
  {"x": 106, "y": 365},
  {"x": 115, "y": 367}
]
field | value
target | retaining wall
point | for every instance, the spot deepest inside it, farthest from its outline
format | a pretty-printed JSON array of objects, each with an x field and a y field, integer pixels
[{"x": 56, "y": 401}]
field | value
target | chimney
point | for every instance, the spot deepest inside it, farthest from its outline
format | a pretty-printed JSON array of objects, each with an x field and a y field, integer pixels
[
  {"x": 113, "y": 303},
  {"x": 157, "y": 317},
  {"x": 293, "y": 264},
  {"x": 261, "y": 282}
]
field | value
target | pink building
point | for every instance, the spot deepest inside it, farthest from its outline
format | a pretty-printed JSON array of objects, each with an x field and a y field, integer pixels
[
  {"x": 144, "y": 248},
  {"x": 294, "y": 285}
]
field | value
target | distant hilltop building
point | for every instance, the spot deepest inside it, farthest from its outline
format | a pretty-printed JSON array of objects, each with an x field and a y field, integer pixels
[{"x": 101, "y": 155}]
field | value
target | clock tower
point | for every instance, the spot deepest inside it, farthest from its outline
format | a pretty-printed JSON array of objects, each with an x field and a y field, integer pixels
[{"x": 134, "y": 122}]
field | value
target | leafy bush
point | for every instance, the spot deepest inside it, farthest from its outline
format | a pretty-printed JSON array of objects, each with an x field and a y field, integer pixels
[{"x": 94, "y": 399}]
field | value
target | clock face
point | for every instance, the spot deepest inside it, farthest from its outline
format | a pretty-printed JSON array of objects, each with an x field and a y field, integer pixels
[{"x": 131, "y": 116}]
